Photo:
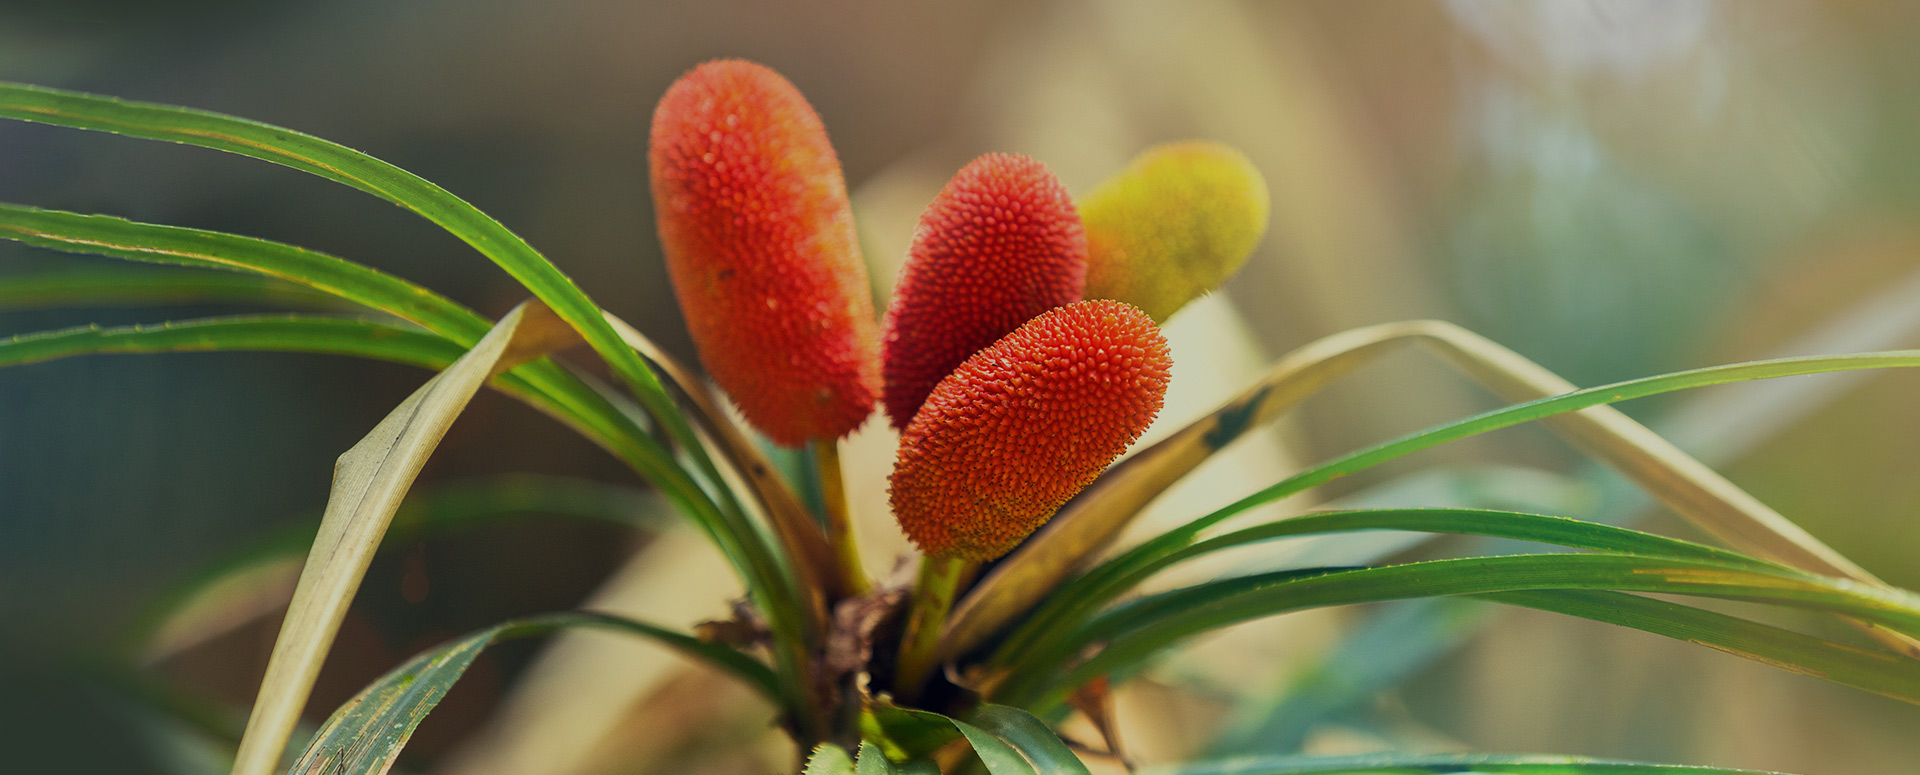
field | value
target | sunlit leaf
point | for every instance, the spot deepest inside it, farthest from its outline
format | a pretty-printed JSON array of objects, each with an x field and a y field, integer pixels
[
  {"x": 1101, "y": 578},
  {"x": 1134, "y": 631},
  {"x": 369, "y": 482},
  {"x": 364, "y": 736}
]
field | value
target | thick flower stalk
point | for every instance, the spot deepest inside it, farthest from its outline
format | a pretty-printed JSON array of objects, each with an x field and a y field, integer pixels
[
  {"x": 999, "y": 245},
  {"x": 1025, "y": 424},
  {"x": 760, "y": 245},
  {"x": 1175, "y": 224}
]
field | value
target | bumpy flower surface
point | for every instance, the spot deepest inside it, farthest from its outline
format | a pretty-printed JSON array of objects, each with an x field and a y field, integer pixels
[
  {"x": 1175, "y": 224},
  {"x": 759, "y": 240},
  {"x": 999, "y": 245},
  {"x": 1025, "y": 424}
]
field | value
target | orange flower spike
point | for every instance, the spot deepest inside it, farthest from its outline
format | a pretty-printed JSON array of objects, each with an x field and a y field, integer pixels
[
  {"x": 1024, "y": 425},
  {"x": 999, "y": 245},
  {"x": 759, "y": 239}
]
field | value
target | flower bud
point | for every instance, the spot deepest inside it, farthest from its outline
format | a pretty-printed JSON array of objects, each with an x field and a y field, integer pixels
[
  {"x": 760, "y": 245},
  {"x": 1025, "y": 424},
  {"x": 999, "y": 245},
  {"x": 1175, "y": 224}
]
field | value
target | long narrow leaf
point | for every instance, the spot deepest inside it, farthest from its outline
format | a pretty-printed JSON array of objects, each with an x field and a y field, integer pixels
[
  {"x": 1424, "y": 764},
  {"x": 1031, "y": 737},
  {"x": 135, "y": 241},
  {"x": 572, "y": 400},
  {"x": 1560, "y": 531},
  {"x": 1101, "y": 578},
  {"x": 364, "y": 736},
  {"x": 716, "y": 510},
  {"x": 276, "y": 333},
  {"x": 1136, "y": 630},
  {"x": 1689, "y": 487},
  {"x": 259, "y": 578},
  {"x": 1000, "y": 757},
  {"x": 369, "y": 482},
  {"x": 126, "y": 286}
]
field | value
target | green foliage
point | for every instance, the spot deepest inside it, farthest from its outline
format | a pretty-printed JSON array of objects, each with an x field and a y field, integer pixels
[{"x": 1084, "y": 632}]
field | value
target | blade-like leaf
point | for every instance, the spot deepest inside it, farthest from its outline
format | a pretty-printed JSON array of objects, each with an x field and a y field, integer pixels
[
  {"x": 1690, "y": 488},
  {"x": 135, "y": 241},
  {"x": 126, "y": 286},
  {"x": 999, "y": 757},
  {"x": 1092, "y": 519},
  {"x": 872, "y": 761},
  {"x": 1031, "y": 737},
  {"x": 259, "y": 579},
  {"x": 276, "y": 333},
  {"x": 1173, "y": 541},
  {"x": 564, "y": 395},
  {"x": 1425, "y": 764},
  {"x": 1080, "y": 602},
  {"x": 1134, "y": 631},
  {"x": 802, "y": 537},
  {"x": 1882, "y": 673},
  {"x": 364, "y": 736},
  {"x": 723, "y": 521},
  {"x": 344, "y": 165},
  {"x": 369, "y": 482}
]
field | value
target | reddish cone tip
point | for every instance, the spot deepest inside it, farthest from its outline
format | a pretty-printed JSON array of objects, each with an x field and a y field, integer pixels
[
  {"x": 759, "y": 240},
  {"x": 999, "y": 245},
  {"x": 1024, "y": 425}
]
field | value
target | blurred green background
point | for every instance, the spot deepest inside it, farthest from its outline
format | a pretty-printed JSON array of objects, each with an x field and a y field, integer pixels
[{"x": 1614, "y": 189}]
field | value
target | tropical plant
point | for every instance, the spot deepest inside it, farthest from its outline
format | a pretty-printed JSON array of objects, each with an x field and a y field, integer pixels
[{"x": 1020, "y": 356}]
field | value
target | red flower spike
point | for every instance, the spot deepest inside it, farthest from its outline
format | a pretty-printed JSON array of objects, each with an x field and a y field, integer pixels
[
  {"x": 999, "y": 245},
  {"x": 759, "y": 240},
  {"x": 1025, "y": 424}
]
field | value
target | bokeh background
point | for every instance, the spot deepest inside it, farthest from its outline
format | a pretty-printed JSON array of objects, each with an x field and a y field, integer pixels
[{"x": 1614, "y": 189}]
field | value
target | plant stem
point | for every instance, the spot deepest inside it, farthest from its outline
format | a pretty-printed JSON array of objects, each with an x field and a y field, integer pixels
[
  {"x": 933, "y": 594},
  {"x": 833, "y": 498}
]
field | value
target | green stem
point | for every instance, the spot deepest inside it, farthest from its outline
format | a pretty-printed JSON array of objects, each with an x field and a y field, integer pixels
[
  {"x": 933, "y": 594},
  {"x": 833, "y": 500}
]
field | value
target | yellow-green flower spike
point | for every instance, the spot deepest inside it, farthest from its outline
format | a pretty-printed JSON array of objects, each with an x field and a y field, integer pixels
[{"x": 1175, "y": 224}]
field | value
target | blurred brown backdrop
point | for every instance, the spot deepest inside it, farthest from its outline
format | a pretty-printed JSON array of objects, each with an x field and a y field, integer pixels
[{"x": 1612, "y": 188}]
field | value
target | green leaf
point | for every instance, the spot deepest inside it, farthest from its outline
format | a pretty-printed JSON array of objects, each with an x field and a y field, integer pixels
[
  {"x": 1100, "y": 583},
  {"x": 134, "y": 241},
  {"x": 276, "y": 333},
  {"x": 1136, "y": 630},
  {"x": 368, "y": 483},
  {"x": 129, "y": 286},
  {"x": 828, "y": 759},
  {"x": 716, "y": 510},
  {"x": 564, "y": 395},
  {"x": 872, "y": 761},
  {"x": 344, "y": 165},
  {"x": 1031, "y": 737},
  {"x": 1882, "y": 673},
  {"x": 365, "y": 735},
  {"x": 259, "y": 578},
  {"x": 1418, "y": 764},
  {"x": 1012, "y": 742},
  {"x": 1081, "y": 601}
]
